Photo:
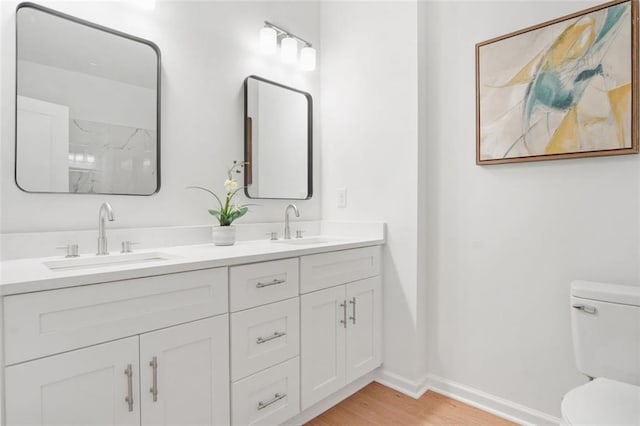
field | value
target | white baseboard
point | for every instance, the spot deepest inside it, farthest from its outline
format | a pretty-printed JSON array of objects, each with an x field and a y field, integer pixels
[
  {"x": 412, "y": 388},
  {"x": 500, "y": 407}
]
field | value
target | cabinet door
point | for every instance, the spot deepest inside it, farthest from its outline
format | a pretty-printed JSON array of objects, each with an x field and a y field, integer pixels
[
  {"x": 189, "y": 365},
  {"x": 364, "y": 329},
  {"x": 322, "y": 343},
  {"x": 82, "y": 388}
]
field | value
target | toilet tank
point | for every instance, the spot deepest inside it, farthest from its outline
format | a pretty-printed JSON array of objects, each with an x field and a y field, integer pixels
[{"x": 605, "y": 321}]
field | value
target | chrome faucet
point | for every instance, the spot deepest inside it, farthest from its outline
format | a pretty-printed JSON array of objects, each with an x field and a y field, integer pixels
[
  {"x": 105, "y": 212},
  {"x": 287, "y": 230}
]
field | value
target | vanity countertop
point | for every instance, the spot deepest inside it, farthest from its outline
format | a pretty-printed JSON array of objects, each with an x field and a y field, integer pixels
[{"x": 28, "y": 275}]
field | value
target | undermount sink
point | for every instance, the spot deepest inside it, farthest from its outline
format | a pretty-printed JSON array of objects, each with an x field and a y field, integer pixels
[
  {"x": 308, "y": 240},
  {"x": 108, "y": 260}
]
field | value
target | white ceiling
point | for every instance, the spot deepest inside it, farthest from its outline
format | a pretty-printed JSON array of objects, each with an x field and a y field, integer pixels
[{"x": 50, "y": 40}]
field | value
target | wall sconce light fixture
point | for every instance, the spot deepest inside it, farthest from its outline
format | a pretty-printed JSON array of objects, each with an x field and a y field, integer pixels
[{"x": 270, "y": 34}]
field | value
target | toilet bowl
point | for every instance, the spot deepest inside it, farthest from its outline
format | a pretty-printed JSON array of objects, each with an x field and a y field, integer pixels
[
  {"x": 602, "y": 402},
  {"x": 605, "y": 320}
]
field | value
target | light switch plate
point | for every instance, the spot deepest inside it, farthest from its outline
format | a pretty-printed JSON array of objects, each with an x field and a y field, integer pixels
[{"x": 342, "y": 197}]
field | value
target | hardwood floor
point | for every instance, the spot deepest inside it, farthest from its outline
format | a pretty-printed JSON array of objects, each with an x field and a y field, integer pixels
[{"x": 379, "y": 405}]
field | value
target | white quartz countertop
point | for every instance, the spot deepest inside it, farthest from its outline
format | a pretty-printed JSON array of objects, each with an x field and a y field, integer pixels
[{"x": 29, "y": 275}]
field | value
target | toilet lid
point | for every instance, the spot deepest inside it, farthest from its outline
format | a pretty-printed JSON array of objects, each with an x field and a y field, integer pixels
[{"x": 602, "y": 401}]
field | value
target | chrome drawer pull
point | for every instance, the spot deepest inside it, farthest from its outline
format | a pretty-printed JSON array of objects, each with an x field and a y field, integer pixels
[
  {"x": 270, "y": 283},
  {"x": 586, "y": 308},
  {"x": 154, "y": 388},
  {"x": 275, "y": 335},
  {"x": 343, "y": 321},
  {"x": 277, "y": 397},
  {"x": 129, "y": 397}
]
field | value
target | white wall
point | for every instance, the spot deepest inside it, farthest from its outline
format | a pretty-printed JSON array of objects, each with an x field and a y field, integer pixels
[
  {"x": 208, "y": 48},
  {"x": 505, "y": 241},
  {"x": 369, "y": 87},
  {"x": 479, "y": 259}
]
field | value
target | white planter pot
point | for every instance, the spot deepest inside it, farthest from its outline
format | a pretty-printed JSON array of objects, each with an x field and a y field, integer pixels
[{"x": 224, "y": 235}]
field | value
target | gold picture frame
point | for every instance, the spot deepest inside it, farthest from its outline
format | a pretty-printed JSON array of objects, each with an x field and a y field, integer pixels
[{"x": 566, "y": 88}]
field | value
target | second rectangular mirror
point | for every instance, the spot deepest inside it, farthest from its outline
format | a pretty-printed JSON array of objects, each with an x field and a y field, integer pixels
[{"x": 278, "y": 141}]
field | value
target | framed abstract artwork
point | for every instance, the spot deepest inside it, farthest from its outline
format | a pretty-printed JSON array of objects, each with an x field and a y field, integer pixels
[{"x": 566, "y": 88}]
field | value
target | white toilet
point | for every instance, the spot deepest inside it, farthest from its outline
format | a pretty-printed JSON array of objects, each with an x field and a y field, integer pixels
[{"x": 605, "y": 322}]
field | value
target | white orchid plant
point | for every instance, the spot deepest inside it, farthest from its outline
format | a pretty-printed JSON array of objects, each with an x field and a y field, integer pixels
[{"x": 228, "y": 212}]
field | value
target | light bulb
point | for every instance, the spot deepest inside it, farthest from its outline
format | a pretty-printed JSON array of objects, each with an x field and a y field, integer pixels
[
  {"x": 308, "y": 59},
  {"x": 268, "y": 40},
  {"x": 289, "y": 50}
]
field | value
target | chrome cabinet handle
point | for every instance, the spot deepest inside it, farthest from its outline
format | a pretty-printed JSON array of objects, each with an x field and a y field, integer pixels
[
  {"x": 353, "y": 302},
  {"x": 129, "y": 397},
  {"x": 154, "y": 388},
  {"x": 586, "y": 308},
  {"x": 277, "y": 397},
  {"x": 275, "y": 335},
  {"x": 343, "y": 321},
  {"x": 270, "y": 283}
]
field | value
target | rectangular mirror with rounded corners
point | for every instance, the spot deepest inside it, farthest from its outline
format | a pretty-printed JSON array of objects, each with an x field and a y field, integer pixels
[
  {"x": 278, "y": 141},
  {"x": 87, "y": 107}
]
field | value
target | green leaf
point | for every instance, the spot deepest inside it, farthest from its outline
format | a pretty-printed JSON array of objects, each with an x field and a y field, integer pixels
[
  {"x": 242, "y": 212},
  {"x": 225, "y": 220},
  {"x": 215, "y": 213},
  {"x": 236, "y": 214}
]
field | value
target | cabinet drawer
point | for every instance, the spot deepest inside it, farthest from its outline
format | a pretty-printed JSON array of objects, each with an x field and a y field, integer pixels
[
  {"x": 269, "y": 397},
  {"x": 264, "y": 336},
  {"x": 325, "y": 270},
  {"x": 262, "y": 283},
  {"x": 48, "y": 322}
]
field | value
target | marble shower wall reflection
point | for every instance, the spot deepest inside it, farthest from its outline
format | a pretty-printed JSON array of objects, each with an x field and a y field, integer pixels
[{"x": 107, "y": 158}]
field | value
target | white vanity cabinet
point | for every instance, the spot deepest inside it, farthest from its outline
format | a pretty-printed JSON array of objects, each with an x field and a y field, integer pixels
[
  {"x": 341, "y": 326},
  {"x": 173, "y": 375},
  {"x": 243, "y": 344},
  {"x": 181, "y": 379}
]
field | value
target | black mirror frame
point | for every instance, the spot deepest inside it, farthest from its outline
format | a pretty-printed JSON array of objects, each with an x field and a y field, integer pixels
[
  {"x": 248, "y": 139},
  {"x": 110, "y": 31}
]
